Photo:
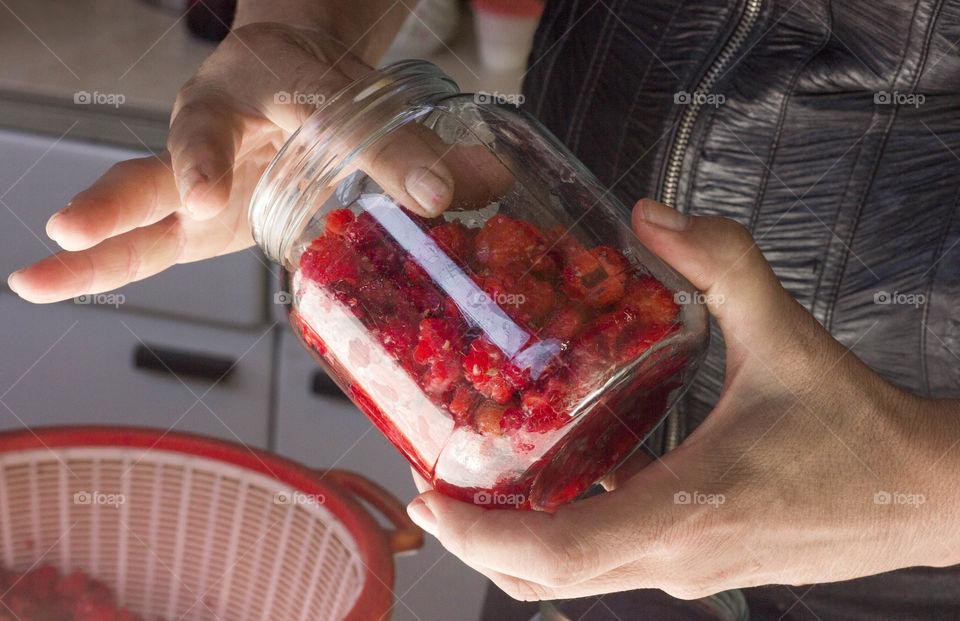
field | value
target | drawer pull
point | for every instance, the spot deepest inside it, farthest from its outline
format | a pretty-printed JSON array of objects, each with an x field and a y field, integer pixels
[{"x": 182, "y": 363}]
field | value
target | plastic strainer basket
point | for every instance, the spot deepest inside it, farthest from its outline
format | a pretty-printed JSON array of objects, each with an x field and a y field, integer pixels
[{"x": 192, "y": 528}]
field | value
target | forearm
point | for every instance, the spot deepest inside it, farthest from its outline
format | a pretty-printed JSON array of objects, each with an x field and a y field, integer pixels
[
  {"x": 939, "y": 468},
  {"x": 367, "y": 27}
]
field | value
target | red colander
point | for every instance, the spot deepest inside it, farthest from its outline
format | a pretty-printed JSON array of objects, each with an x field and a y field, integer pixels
[{"x": 187, "y": 527}]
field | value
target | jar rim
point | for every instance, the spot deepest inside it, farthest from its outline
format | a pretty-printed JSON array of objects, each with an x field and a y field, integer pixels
[{"x": 395, "y": 93}]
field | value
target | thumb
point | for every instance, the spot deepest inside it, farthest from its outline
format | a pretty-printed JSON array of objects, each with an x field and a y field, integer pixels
[
  {"x": 721, "y": 258},
  {"x": 204, "y": 138}
]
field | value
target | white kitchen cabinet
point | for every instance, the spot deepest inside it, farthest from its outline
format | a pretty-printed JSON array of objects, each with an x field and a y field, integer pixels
[
  {"x": 69, "y": 364},
  {"x": 325, "y": 431},
  {"x": 39, "y": 174}
]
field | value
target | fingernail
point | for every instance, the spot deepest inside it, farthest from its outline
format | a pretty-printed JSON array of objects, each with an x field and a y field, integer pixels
[
  {"x": 422, "y": 516},
  {"x": 428, "y": 189},
  {"x": 12, "y": 281},
  {"x": 187, "y": 183},
  {"x": 660, "y": 215},
  {"x": 52, "y": 227}
]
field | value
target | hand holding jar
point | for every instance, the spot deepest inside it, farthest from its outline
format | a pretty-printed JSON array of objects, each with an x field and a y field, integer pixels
[{"x": 810, "y": 469}]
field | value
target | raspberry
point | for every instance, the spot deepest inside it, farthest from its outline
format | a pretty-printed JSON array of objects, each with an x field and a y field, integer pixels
[
  {"x": 461, "y": 404},
  {"x": 42, "y": 581},
  {"x": 491, "y": 374},
  {"x": 438, "y": 340},
  {"x": 441, "y": 376},
  {"x": 454, "y": 239},
  {"x": 337, "y": 221},
  {"x": 489, "y": 417},
  {"x": 398, "y": 338},
  {"x": 524, "y": 298},
  {"x": 381, "y": 297},
  {"x": 642, "y": 337},
  {"x": 329, "y": 259},
  {"x": 566, "y": 324},
  {"x": 73, "y": 585},
  {"x": 504, "y": 240},
  {"x": 415, "y": 273},
  {"x": 427, "y": 300},
  {"x": 512, "y": 420},
  {"x": 364, "y": 231},
  {"x": 597, "y": 276},
  {"x": 543, "y": 407},
  {"x": 650, "y": 299}
]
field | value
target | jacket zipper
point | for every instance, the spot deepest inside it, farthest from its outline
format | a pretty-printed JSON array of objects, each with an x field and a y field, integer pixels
[{"x": 681, "y": 142}]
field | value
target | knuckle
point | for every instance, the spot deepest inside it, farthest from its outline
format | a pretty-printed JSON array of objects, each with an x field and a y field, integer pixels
[{"x": 524, "y": 591}]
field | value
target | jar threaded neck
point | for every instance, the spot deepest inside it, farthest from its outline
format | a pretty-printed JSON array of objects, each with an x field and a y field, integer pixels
[{"x": 284, "y": 199}]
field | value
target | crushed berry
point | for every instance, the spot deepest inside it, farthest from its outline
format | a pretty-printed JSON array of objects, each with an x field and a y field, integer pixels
[{"x": 598, "y": 309}]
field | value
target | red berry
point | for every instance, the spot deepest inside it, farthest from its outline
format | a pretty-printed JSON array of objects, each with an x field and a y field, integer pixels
[
  {"x": 489, "y": 416},
  {"x": 566, "y": 324},
  {"x": 504, "y": 240},
  {"x": 597, "y": 276},
  {"x": 437, "y": 340},
  {"x": 441, "y": 376},
  {"x": 524, "y": 298},
  {"x": 454, "y": 239},
  {"x": 490, "y": 373},
  {"x": 42, "y": 581},
  {"x": 512, "y": 420},
  {"x": 329, "y": 259},
  {"x": 364, "y": 231},
  {"x": 650, "y": 299},
  {"x": 462, "y": 403},
  {"x": 544, "y": 407},
  {"x": 337, "y": 221},
  {"x": 73, "y": 585},
  {"x": 398, "y": 338}
]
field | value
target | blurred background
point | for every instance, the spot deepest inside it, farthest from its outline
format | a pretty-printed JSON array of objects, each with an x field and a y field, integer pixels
[{"x": 202, "y": 347}]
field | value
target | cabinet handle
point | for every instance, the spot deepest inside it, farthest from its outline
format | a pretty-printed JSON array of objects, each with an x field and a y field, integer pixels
[
  {"x": 323, "y": 385},
  {"x": 182, "y": 363}
]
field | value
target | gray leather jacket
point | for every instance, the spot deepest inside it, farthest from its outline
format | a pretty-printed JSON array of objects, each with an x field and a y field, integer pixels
[{"x": 831, "y": 129}]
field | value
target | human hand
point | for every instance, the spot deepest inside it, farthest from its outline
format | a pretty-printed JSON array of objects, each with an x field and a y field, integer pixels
[
  {"x": 190, "y": 203},
  {"x": 810, "y": 468}
]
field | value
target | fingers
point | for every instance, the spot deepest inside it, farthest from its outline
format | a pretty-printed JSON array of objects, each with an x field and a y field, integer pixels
[
  {"x": 573, "y": 545},
  {"x": 409, "y": 165},
  {"x": 131, "y": 256},
  {"x": 720, "y": 257},
  {"x": 131, "y": 194},
  {"x": 108, "y": 265},
  {"x": 205, "y": 135}
]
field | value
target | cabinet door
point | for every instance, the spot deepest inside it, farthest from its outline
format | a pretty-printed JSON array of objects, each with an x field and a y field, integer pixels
[
  {"x": 38, "y": 175},
  {"x": 324, "y": 431},
  {"x": 71, "y": 364}
]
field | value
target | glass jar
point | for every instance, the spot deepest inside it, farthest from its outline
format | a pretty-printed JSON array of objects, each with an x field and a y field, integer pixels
[{"x": 516, "y": 348}]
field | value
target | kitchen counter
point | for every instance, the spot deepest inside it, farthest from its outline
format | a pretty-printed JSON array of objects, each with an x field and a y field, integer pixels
[{"x": 54, "y": 50}]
